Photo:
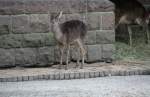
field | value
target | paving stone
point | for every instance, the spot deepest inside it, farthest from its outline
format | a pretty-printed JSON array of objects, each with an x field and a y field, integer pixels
[
  {"x": 57, "y": 76},
  {"x": 40, "y": 77},
  {"x": 30, "y": 78},
  {"x": 62, "y": 76},
  {"x": 102, "y": 74},
  {"x": 122, "y": 73},
  {"x": 20, "y": 78},
  {"x": 127, "y": 73},
  {"x": 96, "y": 74},
  {"x": 67, "y": 76},
  {"x": 72, "y": 75},
  {"x": 77, "y": 75},
  {"x": 0, "y": 79},
  {"x": 52, "y": 76},
  {"x": 14, "y": 79},
  {"x": 46, "y": 77},
  {"x": 92, "y": 75},
  {"x": 131, "y": 73},
  {"x": 25, "y": 78},
  {"x": 82, "y": 75},
  {"x": 35, "y": 77},
  {"x": 86, "y": 74}
]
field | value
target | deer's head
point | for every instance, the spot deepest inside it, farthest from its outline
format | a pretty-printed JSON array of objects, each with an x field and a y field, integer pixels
[{"x": 55, "y": 18}]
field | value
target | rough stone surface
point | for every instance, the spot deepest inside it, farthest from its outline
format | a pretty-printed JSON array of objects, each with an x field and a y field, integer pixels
[
  {"x": 26, "y": 57},
  {"x": 94, "y": 52},
  {"x": 105, "y": 37},
  {"x": 107, "y": 21},
  {"x": 20, "y": 24},
  {"x": 11, "y": 41},
  {"x": 7, "y": 58},
  {"x": 107, "y": 50},
  {"x": 40, "y": 6},
  {"x": 46, "y": 56}
]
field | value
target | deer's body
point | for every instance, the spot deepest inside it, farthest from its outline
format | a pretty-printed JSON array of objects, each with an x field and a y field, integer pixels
[
  {"x": 70, "y": 33},
  {"x": 131, "y": 12}
]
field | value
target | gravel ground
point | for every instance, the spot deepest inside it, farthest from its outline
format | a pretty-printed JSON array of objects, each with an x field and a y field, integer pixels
[{"x": 123, "y": 86}]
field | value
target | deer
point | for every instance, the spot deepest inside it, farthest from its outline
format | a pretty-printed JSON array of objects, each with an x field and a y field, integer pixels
[
  {"x": 131, "y": 12},
  {"x": 68, "y": 33}
]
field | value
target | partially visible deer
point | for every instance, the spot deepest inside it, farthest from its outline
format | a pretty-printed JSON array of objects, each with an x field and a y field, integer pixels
[
  {"x": 130, "y": 12},
  {"x": 68, "y": 33}
]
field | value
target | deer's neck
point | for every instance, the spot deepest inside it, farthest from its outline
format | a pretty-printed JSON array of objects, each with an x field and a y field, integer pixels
[{"x": 58, "y": 32}]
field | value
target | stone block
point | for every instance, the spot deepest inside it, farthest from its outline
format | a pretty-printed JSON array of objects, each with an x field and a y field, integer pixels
[
  {"x": 21, "y": 24},
  {"x": 108, "y": 50},
  {"x": 38, "y": 40},
  {"x": 11, "y": 7},
  {"x": 108, "y": 20},
  {"x": 75, "y": 16},
  {"x": 39, "y": 23},
  {"x": 26, "y": 57},
  {"x": 90, "y": 38},
  {"x": 4, "y": 29},
  {"x": 105, "y": 36},
  {"x": 94, "y": 53},
  {"x": 5, "y": 24},
  {"x": 49, "y": 39},
  {"x": 93, "y": 20},
  {"x": 7, "y": 58},
  {"x": 100, "y": 5},
  {"x": 36, "y": 6},
  {"x": 45, "y": 56},
  {"x": 11, "y": 41}
]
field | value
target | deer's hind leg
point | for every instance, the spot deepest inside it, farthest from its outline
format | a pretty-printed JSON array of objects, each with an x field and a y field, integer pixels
[{"x": 83, "y": 52}]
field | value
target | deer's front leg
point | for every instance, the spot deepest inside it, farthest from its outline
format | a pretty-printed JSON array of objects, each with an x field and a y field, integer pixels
[
  {"x": 61, "y": 56},
  {"x": 68, "y": 53}
]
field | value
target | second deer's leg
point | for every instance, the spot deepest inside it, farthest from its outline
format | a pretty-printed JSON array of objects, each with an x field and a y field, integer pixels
[
  {"x": 147, "y": 34},
  {"x": 130, "y": 35},
  {"x": 82, "y": 52}
]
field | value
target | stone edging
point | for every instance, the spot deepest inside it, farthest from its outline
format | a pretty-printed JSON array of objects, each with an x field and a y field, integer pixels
[{"x": 76, "y": 75}]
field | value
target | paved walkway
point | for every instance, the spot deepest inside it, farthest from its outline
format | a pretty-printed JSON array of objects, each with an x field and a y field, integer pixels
[
  {"x": 118, "y": 86},
  {"x": 118, "y": 68}
]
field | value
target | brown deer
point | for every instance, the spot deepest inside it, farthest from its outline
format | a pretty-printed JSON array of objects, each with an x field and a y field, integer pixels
[
  {"x": 69, "y": 33},
  {"x": 131, "y": 12}
]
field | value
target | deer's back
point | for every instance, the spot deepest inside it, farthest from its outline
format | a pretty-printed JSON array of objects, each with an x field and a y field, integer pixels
[{"x": 73, "y": 29}]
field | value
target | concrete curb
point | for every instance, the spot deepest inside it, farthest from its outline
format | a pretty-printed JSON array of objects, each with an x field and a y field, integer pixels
[{"x": 76, "y": 75}]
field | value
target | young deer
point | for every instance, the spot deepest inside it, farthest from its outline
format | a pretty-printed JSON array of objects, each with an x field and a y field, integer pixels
[
  {"x": 130, "y": 12},
  {"x": 68, "y": 33}
]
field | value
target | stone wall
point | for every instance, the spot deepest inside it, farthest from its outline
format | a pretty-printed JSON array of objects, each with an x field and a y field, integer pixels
[{"x": 26, "y": 38}]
